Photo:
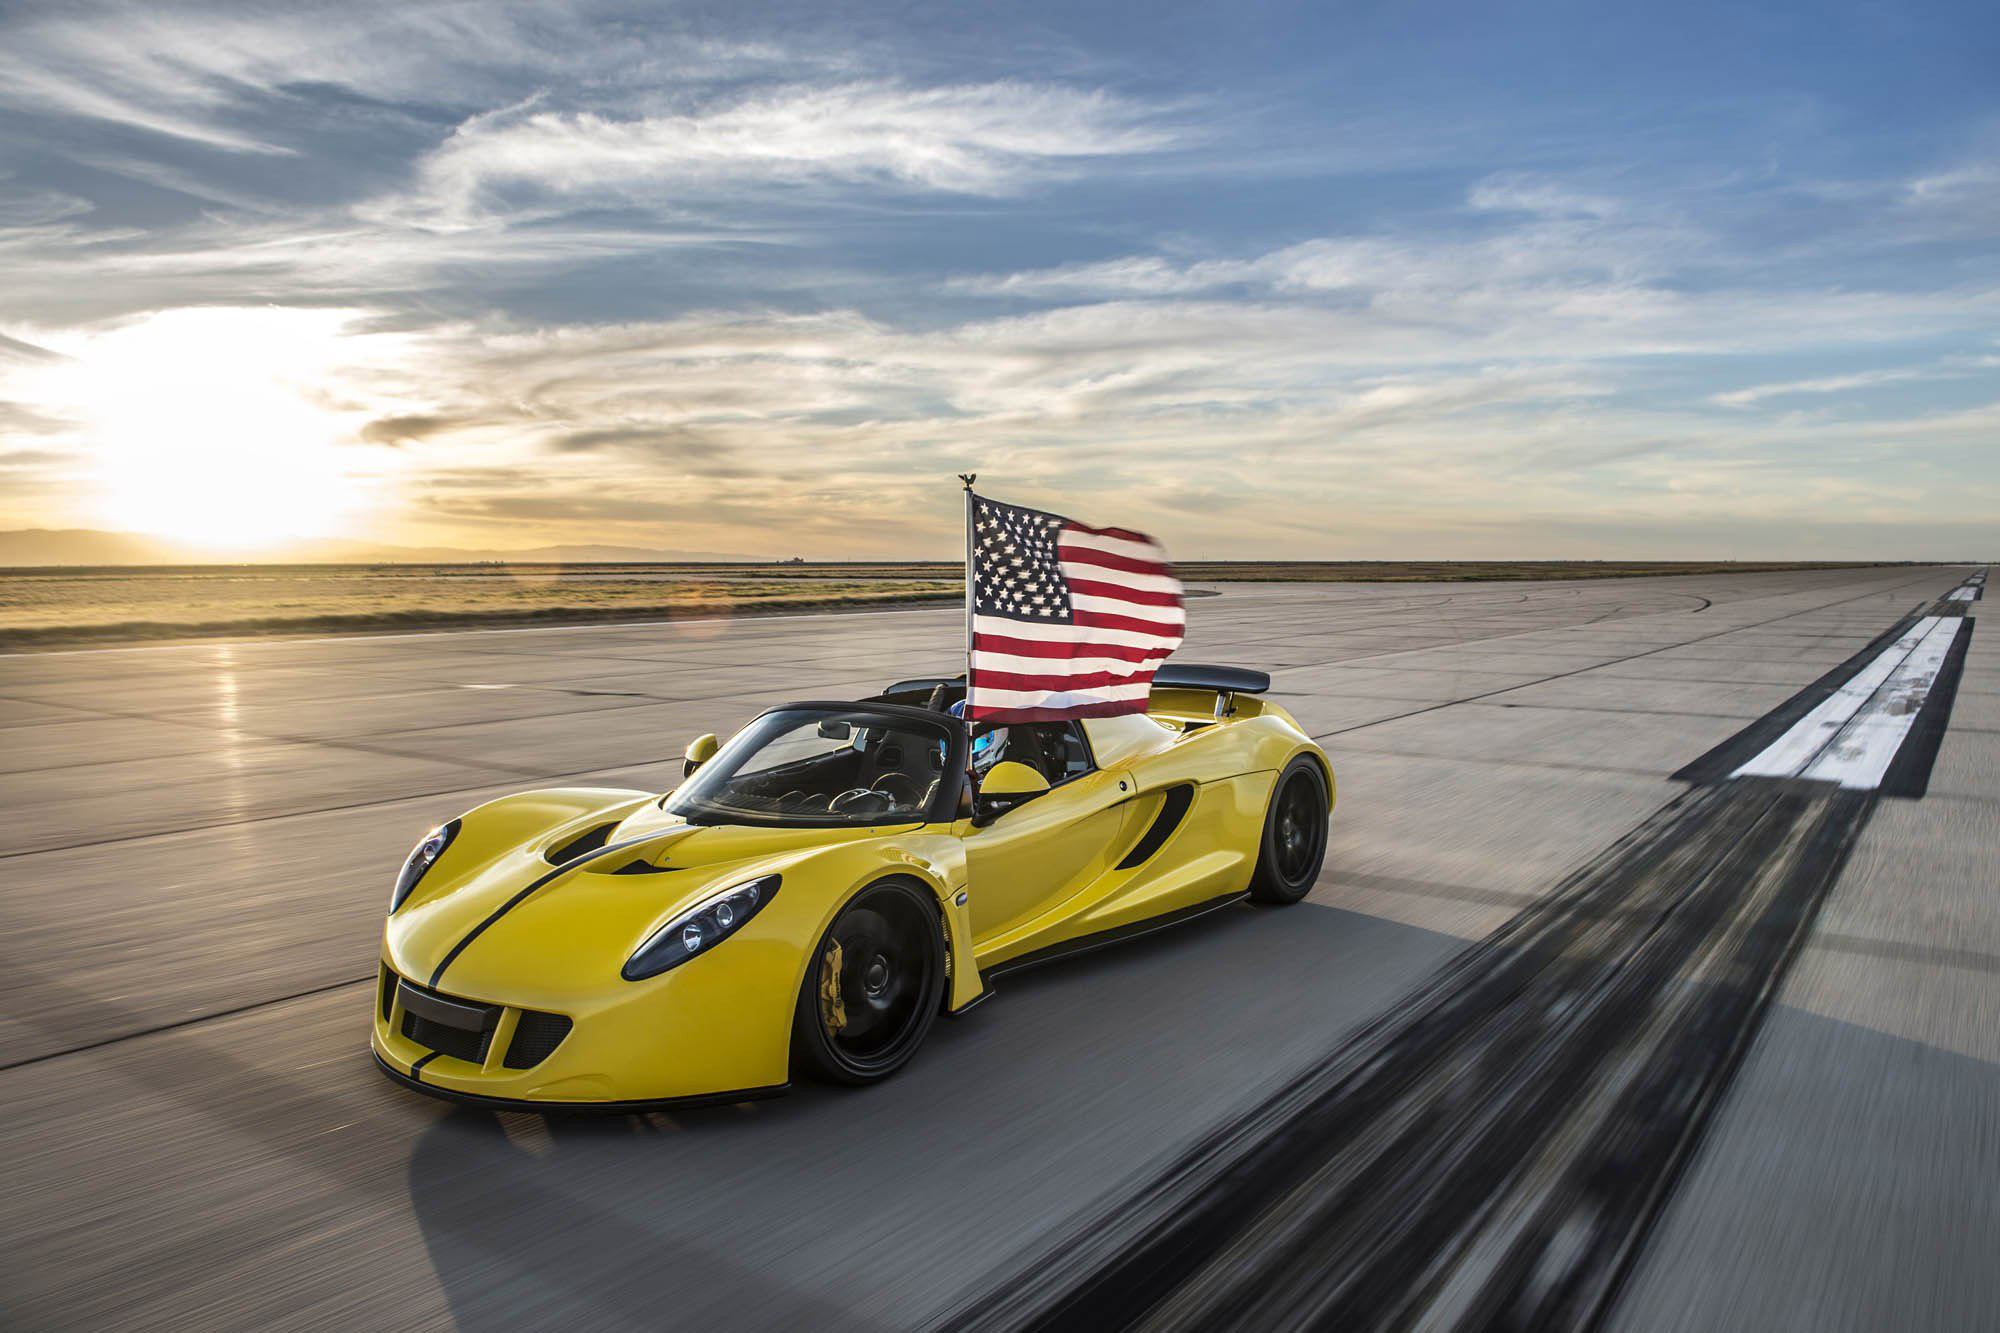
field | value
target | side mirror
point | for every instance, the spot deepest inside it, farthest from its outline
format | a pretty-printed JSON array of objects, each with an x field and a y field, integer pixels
[
  {"x": 1006, "y": 785},
  {"x": 700, "y": 750}
]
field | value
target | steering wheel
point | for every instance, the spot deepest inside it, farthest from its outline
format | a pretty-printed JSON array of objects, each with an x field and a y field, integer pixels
[
  {"x": 898, "y": 787},
  {"x": 860, "y": 800}
]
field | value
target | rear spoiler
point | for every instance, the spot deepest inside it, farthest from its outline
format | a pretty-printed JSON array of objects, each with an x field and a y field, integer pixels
[
  {"x": 1193, "y": 676},
  {"x": 1225, "y": 681}
]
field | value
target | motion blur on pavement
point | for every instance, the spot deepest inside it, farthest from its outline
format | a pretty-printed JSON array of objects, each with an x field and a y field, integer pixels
[{"x": 202, "y": 836}]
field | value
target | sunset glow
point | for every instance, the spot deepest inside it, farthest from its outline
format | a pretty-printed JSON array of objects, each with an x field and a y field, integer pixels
[
  {"x": 1305, "y": 284},
  {"x": 215, "y": 426}
]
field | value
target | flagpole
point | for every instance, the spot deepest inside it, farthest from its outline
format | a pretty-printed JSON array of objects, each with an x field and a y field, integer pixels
[{"x": 968, "y": 478}]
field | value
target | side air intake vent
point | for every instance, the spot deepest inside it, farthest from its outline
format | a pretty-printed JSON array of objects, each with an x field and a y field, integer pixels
[
  {"x": 581, "y": 845},
  {"x": 535, "y": 1039},
  {"x": 1172, "y": 811}
]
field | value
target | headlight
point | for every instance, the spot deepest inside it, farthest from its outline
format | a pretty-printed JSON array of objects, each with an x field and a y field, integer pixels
[
  {"x": 422, "y": 857},
  {"x": 700, "y": 928}
]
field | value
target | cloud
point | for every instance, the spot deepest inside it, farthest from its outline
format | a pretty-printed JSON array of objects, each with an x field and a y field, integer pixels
[
  {"x": 1518, "y": 193},
  {"x": 413, "y": 428},
  {"x": 14, "y": 349},
  {"x": 18, "y": 459},
  {"x": 1565, "y": 238},
  {"x": 982, "y": 139},
  {"x": 1973, "y": 185},
  {"x": 1866, "y": 379},
  {"x": 211, "y": 77},
  {"x": 31, "y": 207}
]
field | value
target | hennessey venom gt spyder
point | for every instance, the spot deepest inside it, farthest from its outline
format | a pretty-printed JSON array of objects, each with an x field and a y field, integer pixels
[{"x": 823, "y": 886}]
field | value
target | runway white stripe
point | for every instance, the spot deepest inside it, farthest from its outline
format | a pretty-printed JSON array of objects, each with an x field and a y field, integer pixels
[
  {"x": 1853, "y": 736},
  {"x": 1861, "y": 753}
]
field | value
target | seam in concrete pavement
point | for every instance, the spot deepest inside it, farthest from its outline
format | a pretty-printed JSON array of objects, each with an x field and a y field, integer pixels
[
  {"x": 179, "y": 1023},
  {"x": 302, "y": 814},
  {"x": 1650, "y": 652},
  {"x": 1930, "y": 955}
]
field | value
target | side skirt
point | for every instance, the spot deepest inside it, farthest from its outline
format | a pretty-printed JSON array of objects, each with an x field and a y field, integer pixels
[{"x": 1106, "y": 938}]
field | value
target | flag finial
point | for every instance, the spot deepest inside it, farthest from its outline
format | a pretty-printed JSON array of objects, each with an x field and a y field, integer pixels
[{"x": 968, "y": 478}]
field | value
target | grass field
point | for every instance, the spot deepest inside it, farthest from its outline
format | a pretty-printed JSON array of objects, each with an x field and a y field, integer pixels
[{"x": 50, "y": 607}]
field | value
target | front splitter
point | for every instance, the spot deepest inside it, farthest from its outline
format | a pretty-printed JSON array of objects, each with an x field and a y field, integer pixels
[{"x": 553, "y": 1107}]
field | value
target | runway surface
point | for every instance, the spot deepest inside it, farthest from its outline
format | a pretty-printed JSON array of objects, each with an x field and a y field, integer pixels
[{"x": 200, "y": 842}]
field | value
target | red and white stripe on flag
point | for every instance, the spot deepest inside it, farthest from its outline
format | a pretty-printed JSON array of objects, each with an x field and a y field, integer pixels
[{"x": 1124, "y": 617}]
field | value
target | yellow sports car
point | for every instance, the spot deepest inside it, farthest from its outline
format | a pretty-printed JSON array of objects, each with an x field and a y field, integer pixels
[{"x": 823, "y": 886}]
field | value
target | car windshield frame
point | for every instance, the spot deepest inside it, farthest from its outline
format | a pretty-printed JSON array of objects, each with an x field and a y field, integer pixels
[{"x": 691, "y": 801}]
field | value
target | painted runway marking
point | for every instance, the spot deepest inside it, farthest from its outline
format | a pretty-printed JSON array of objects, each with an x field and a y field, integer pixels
[{"x": 1852, "y": 737}]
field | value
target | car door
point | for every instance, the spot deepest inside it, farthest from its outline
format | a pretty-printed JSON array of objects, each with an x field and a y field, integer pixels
[{"x": 1045, "y": 851}]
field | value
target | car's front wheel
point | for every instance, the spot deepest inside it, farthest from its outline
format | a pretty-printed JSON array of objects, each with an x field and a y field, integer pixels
[
  {"x": 875, "y": 983},
  {"x": 1294, "y": 835}
]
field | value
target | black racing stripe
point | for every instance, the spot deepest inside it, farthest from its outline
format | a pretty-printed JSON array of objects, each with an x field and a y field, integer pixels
[
  {"x": 417, "y": 1069},
  {"x": 1909, "y": 773},
  {"x": 1493, "y": 1151},
  {"x": 1718, "y": 763},
  {"x": 530, "y": 891}
]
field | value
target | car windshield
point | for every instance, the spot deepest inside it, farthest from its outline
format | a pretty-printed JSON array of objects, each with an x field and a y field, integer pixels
[{"x": 820, "y": 766}]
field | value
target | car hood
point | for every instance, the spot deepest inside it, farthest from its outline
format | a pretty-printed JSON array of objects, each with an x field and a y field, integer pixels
[{"x": 521, "y": 929}]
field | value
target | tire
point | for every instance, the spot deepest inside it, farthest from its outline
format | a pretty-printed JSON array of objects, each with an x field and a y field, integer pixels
[
  {"x": 1294, "y": 843},
  {"x": 883, "y": 958}
]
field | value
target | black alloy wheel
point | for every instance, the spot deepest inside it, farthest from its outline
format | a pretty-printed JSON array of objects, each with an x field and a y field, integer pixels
[
  {"x": 1294, "y": 835},
  {"x": 874, "y": 985}
]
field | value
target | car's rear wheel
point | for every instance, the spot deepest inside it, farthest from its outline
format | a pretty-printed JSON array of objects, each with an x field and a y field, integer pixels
[
  {"x": 1294, "y": 835},
  {"x": 875, "y": 983}
]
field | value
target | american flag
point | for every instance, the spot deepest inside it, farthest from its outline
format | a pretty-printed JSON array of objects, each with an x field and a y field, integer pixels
[{"x": 1067, "y": 621}]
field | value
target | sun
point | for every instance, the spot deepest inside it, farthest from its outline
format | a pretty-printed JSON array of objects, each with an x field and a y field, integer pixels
[{"x": 217, "y": 427}]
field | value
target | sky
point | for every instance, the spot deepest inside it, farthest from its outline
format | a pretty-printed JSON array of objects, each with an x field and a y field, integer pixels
[{"x": 1268, "y": 280}]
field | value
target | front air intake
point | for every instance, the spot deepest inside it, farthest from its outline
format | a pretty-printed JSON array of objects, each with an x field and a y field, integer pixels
[{"x": 535, "y": 1039}]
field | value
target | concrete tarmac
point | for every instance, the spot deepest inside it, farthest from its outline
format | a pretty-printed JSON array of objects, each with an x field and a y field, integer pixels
[{"x": 200, "y": 842}]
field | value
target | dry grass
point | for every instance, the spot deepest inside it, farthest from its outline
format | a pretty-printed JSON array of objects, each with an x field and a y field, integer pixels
[
  {"x": 64, "y": 606},
  {"x": 49, "y": 607}
]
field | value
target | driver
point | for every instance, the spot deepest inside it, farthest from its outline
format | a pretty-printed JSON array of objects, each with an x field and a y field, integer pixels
[{"x": 989, "y": 746}]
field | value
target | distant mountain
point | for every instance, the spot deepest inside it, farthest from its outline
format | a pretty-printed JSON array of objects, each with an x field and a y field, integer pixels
[
  {"x": 84, "y": 546},
  {"x": 81, "y": 546}
]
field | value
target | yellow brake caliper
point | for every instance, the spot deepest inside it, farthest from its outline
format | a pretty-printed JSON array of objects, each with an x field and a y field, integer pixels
[{"x": 831, "y": 1007}]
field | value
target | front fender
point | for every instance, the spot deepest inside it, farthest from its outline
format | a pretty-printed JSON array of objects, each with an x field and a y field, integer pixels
[
  {"x": 531, "y": 820},
  {"x": 934, "y": 857}
]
